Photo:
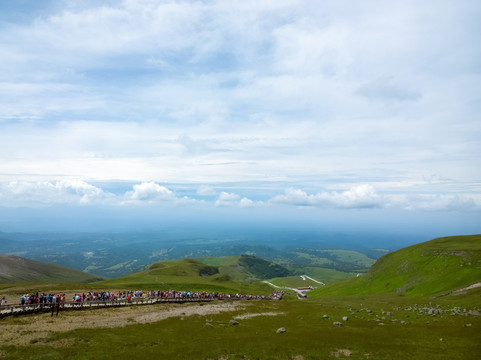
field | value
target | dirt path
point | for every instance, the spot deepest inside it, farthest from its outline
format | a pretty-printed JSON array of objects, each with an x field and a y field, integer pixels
[{"x": 24, "y": 330}]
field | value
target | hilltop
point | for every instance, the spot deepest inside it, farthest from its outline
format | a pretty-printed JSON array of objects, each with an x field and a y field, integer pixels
[
  {"x": 232, "y": 273},
  {"x": 435, "y": 267},
  {"x": 15, "y": 269}
]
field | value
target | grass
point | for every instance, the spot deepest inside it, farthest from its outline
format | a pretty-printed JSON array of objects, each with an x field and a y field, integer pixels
[
  {"x": 186, "y": 274},
  {"x": 434, "y": 267},
  {"x": 19, "y": 270},
  {"x": 308, "y": 334}
]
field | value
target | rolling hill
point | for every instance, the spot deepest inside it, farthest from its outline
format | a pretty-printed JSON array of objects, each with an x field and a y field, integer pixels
[
  {"x": 232, "y": 273},
  {"x": 14, "y": 269},
  {"x": 439, "y": 266}
]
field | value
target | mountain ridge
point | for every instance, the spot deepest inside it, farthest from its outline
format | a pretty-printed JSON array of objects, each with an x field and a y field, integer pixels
[{"x": 15, "y": 269}]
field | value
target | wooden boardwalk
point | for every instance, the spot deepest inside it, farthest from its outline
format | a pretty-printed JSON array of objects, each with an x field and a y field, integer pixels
[{"x": 18, "y": 309}]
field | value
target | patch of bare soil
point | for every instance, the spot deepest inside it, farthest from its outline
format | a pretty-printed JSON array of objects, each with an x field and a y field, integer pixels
[
  {"x": 251, "y": 315},
  {"x": 29, "y": 329},
  {"x": 342, "y": 352}
]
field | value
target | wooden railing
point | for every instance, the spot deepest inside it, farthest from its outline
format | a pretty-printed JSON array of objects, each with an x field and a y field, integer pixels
[{"x": 19, "y": 309}]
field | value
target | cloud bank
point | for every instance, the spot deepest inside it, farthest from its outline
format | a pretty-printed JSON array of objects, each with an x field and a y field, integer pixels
[{"x": 365, "y": 196}]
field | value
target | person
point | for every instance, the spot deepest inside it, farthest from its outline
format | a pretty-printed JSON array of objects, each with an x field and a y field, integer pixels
[
  {"x": 4, "y": 302},
  {"x": 55, "y": 306}
]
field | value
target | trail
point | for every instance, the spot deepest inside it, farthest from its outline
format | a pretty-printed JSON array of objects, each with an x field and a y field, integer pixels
[
  {"x": 304, "y": 277},
  {"x": 301, "y": 294}
]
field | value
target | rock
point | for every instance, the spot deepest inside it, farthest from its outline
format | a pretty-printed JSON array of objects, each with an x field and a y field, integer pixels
[
  {"x": 208, "y": 325},
  {"x": 233, "y": 322},
  {"x": 345, "y": 318},
  {"x": 382, "y": 324},
  {"x": 281, "y": 330},
  {"x": 337, "y": 323},
  {"x": 369, "y": 311},
  {"x": 325, "y": 317},
  {"x": 389, "y": 313},
  {"x": 468, "y": 325},
  {"x": 404, "y": 322}
]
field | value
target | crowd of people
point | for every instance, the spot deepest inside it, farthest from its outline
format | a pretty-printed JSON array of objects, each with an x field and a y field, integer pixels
[{"x": 44, "y": 298}]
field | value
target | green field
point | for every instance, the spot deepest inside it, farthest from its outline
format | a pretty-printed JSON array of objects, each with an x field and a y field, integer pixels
[{"x": 309, "y": 335}]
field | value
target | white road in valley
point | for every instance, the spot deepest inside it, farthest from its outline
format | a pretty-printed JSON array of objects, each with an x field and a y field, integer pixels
[{"x": 300, "y": 293}]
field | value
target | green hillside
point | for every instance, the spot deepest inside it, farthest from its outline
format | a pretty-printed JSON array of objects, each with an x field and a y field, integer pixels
[
  {"x": 16, "y": 270},
  {"x": 224, "y": 274},
  {"x": 434, "y": 267},
  {"x": 246, "y": 267}
]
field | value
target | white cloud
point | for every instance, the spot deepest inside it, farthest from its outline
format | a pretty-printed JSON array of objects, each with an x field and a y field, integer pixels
[
  {"x": 227, "y": 199},
  {"x": 235, "y": 92},
  {"x": 362, "y": 196},
  {"x": 235, "y": 200},
  {"x": 150, "y": 192},
  {"x": 46, "y": 193}
]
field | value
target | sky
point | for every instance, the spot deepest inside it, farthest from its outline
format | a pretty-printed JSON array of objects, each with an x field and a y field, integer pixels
[{"x": 316, "y": 111}]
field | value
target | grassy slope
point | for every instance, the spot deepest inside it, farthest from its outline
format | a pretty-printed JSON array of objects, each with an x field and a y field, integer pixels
[
  {"x": 14, "y": 269},
  {"x": 433, "y": 267},
  {"x": 308, "y": 335},
  {"x": 190, "y": 274}
]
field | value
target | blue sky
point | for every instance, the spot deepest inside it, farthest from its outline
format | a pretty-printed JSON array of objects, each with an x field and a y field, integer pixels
[{"x": 256, "y": 108}]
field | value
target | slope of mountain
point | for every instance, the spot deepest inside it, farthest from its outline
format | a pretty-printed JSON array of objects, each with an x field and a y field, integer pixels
[
  {"x": 438, "y": 266},
  {"x": 245, "y": 267},
  {"x": 14, "y": 269},
  {"x": 234, "y": 273}
]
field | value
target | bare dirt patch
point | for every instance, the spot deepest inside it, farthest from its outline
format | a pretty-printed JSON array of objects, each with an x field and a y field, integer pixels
[
  {"x": 30, "y": 329},
  {"x": 251, "y": 315},
  {"x": 342, "y": 352}
]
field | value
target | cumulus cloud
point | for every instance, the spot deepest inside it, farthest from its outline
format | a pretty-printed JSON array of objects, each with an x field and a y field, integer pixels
[
  {"x": 25, "y": 193},
  {"x": 234, "y": 200},
  {"x": 150, "y": 192},
  {"x": 362, "y": 196}
]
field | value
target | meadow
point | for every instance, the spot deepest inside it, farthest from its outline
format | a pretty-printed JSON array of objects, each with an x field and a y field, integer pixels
[{"x": 377, "y": 328}]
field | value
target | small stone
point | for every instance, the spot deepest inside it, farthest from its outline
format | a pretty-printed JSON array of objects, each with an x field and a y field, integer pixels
[
  {"x": 325, "y": 317},
  {"x": 345, "y": 318},
  {"x": 281, "y": 330},
  {"x": 404, "y": 322},
  {"x": 468, "y": 325},
  {"x": 233, "y": 322},
  {"x": 337, "y": 323},
  {"x": 208, "y": 325},
  {"x": 382, "y": 324},
  {"x": 389, "y": 313}
]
